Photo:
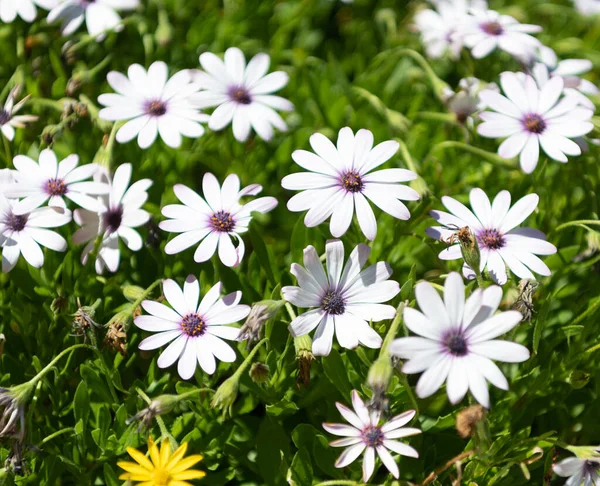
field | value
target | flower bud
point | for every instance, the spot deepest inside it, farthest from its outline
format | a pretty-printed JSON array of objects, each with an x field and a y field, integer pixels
[
  {"x": 259, "y": 372},
  {"x": 132, "y": 292},
  {"x": 378, "y": 380},
  {"x": 524, "y": 303},
  {"x": 260, "y": 313},
  {"x": 469, "y": 248},
  {"x": 225, "y": 396},
  {"x": 116, "y": 336},
  {"x": 305, "y": 357},
  {"x": 158, "y": 406},
  {"x": 164, "y": 32}
]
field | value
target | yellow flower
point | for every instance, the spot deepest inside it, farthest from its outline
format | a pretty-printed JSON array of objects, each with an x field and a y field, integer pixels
[{"x": 163, "y": 468}]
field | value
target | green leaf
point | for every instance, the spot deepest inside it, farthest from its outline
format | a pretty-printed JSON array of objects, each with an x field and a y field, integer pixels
[
  {"x": 282, "y": 408},
  {"x": 301, "y": 471},
  {"x": 263, "y": 255},
  {"x": 336, "y": 371},
  {"x": 81, "y": 403}
]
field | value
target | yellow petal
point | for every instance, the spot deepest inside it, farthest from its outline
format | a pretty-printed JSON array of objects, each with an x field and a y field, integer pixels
[
  {"x": 124, "y": 476},
  {"x": 154, "y": 454},
  {"x": 133, "y": 467},
  {"x": 177, "y": 455},
  {"x": 140, "y": 458},
  {"x": 186, "y": 463},
  {"x": 165, "y": 452},
  {"x": 189, "y": 474},
  {"x": 142, "y": 477},
  {"x": 147, "y": 483},
  {"x": 179, "y": 483}
]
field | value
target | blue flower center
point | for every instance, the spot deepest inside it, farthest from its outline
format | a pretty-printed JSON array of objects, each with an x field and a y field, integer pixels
[
  {"x": 56, "y": 187},
  {"x": 222, "y": 221},
  {"x": 456, "y": 344},
  {"x": 491, "y": 239},
  {"x": 333, "y": 303},
  {"x": 352, "y": 181},
  {"x": 372, "y": 436},
  {"x": 193, "y": 325}
]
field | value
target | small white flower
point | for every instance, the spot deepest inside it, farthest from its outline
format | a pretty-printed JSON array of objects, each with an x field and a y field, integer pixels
[
  {"x": 588, "y": 7},
  {"x": 500, "y": 242},
  {"x": 466, "y": 101},
  {"x": 122, "y": 213},
  {"x": 569, "y": 70},
  {"x": 9, "y": 120},
  {"x": 457, "y": 343},
  {"x": 214, "y": 220},
  {"x": 100, "y": 15},
  {"x": 438, "y": 28},
  {"x": 153, "y": 104},
  {"x": 345, "y": 299},
  {"x": 22, "y": 234},
  {"x": 195, "y": 331},
  {"x": 340, "y": 181},
  {"x": 9, "y": 9},
  {"x": 580, "y": 472},
  {"x": 365, "y": 434},
  {"x": 487, "y": 30},
  {"x": 242, "y": 93},
  {"x": 53, "y": 181},
  {"x": 530, "y": 117}
]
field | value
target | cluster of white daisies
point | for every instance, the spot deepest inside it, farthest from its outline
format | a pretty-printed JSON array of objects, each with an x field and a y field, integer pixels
[{"x": 455, "y": 341}]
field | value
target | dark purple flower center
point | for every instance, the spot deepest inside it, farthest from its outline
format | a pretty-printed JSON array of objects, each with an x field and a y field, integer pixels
[
  {"x": 492, "y": 28},
  {"x": 113, "y": 218},
  {"x": 491, "y": 239},
  {"x": 372, "y": 436},
  {"x": 534, "y": 123},
  {"x": 222, "y": 221},
  {"x": 193, "y": 325},
  {"x": 333, "y": 303},
  {"x": 4, "y": 117},
  {"x": 56, "y": 187},
  {"x": 241, "y": 95},
  {"x": 352, "y": 181},
  {"x": 455, "y": 343},
  {"x": 156, "y": 108},
  {"x": 16, "y": 222}
]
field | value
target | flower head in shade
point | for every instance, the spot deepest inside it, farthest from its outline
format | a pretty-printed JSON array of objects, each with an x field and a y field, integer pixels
[
  {"x": 587, "y": 7},
  {"x": 52, "y": 181},
  {"x": 457, "y": 340},
  {"x": 340, "y": 182},
  {"x": 122, "y": 212},
  {"x": 163, "y": 468},
  {"x": 569, "y": 70},
  {"x": 344, "y": 298},
  {"x": 214, "y": 220},
  {"x": 9, "y": 9},
  {"x": 194, "y": 330},
  {"x": 501, "y": 243},
  {"x": 439, "y": 27},
  {"x": 9, "y": 120},
  {"x": 23, "y": 234},
  {"x": 580, "y": 471},
  {"x": 100, "y": 15},
  {"x": 465, "y": 102},
  {"x": 532, "y": 117},
  {"x": 243, "y": 94},
  {"x": 488, "y": 30},
  {"x": 366, "y": 434},
  {"x": 154, "y": 104}
]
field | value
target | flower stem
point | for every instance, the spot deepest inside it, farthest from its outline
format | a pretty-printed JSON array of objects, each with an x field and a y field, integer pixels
[
  {"x": 340, "y": 482},
  {"x": 391, "y": 334},
  {"x": 238, "y": 373},
  {"x": 164, "y": 432},
  {"x": 577, "y": 223},
  {"x": 474, "y": 150},
  {"x": 57, "y": 433},
  {"x": 432, "y": 477}
]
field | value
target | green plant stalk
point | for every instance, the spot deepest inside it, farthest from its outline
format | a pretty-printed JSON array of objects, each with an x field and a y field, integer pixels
[
  {"x": 490, "y": 157},
  {"x": 238, "y": 373},
  {"x": 577, "y": 223},
  {"x": 56, "y": 434},
  {"x": 164, "y": 432}
]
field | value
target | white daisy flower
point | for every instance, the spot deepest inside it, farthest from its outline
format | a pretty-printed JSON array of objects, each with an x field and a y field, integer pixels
[
  {"x": 587, "y": 7},
  {"x": 494, "y": 225},
  {"x": 457, "y": 343},
  {"x": 53, "y": 181},
  {"x": 215, "y": 220},
  {"x": 195, "y": 331},
  {"x": 530, "y": 117},
  {"x": 242, "y": 93},
  {"x": 9, "y": 120},
  {"x": 340, "y": 181},
  {"x": 466, "y": 101},
  {"x": 365, "y": 434},
  {"x": 122, "y": 213},
  {"x": 439, "y": 27},
  {"x": 153, "y": 104},
  {"x": 345, "y": 299},
  {"x": 9, "y": 9},
  {"x": 569, "y": 70},
  {"x": 580, "y": 472},
  {"x": 100, "y": 15},
  {"x": 22, "y": 234},
  {"x": 488, "y": 30}
]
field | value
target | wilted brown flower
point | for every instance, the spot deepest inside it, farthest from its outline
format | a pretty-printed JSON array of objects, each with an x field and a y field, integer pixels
[{"x": 467, "y": 418}]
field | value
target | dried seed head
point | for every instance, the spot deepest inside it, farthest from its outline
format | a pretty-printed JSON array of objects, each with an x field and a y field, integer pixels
[
  {"x": 259, "y": 372},
  {"x": 260, "y": 313},
  {"x": 524, "y": 303},
  {"x": 467, "y": 418}
]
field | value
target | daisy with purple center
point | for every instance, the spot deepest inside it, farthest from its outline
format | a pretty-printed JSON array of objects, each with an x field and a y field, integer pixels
[
  {"x": 215, "y": 220},
  {"x": 494, "y": 225},
  {"x": 122, "y": 212},
  {"x": 340, "y": 182},
  {"x": 366, "y": 434},
  {"x": 488, "y": 30},
  {"x": 9, "y": 120},
  {"x": 532, "y": 117},
  {"x": 580, "y": 470},
  {"x": 53, "y": 181},
  {"x": 344, "y": 299},
  {"x": 154, "y": 104},
  {"x": 243, "y": 94},
  {"x": 457, "y": 340},
  {"x": 195, "y": 330}
]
